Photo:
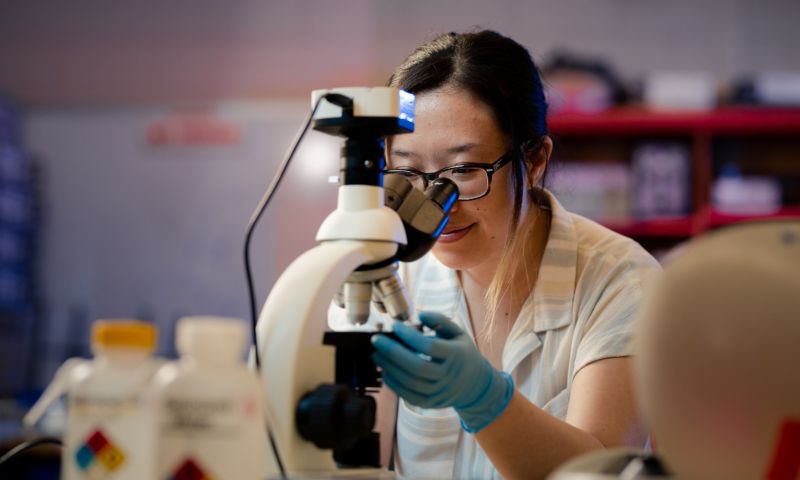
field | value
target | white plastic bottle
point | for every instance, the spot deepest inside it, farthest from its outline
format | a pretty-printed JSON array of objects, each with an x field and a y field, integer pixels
[
  {"x": 110, "y": 431},
  {"x": 212, "y": 414}
]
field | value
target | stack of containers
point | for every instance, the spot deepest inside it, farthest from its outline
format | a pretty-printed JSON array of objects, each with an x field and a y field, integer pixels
[
  {"x": 111, "y": 430},
  {"x": 16, "y": 217},
  {"x": 17, "y": 247},
  {"x": 131, "y": 416}
]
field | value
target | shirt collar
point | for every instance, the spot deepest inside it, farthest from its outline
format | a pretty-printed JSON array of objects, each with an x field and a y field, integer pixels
[
  {"x": 554, "y": 292},
  {"x": 552, "y": 297}
]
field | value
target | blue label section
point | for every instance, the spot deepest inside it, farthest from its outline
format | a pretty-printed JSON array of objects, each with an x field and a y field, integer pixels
[{"x": 84, "y": 456}]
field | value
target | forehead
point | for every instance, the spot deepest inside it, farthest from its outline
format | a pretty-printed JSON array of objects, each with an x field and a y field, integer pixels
[{"x": 449, "y": 117}]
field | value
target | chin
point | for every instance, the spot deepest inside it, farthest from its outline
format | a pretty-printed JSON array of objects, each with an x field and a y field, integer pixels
[{"x": 455, "y": 257}]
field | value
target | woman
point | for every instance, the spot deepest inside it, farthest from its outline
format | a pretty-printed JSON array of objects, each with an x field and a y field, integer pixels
[{"x": 532, "y": 305}]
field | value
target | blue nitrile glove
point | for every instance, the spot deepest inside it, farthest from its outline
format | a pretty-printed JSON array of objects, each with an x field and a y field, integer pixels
[{"x": 443, "y": 371}]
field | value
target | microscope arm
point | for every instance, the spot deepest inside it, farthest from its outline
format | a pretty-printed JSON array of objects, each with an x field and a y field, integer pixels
[{"x": 289, "y": 333}]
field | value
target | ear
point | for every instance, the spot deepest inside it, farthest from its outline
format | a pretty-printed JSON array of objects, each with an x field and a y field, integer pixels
[
  {"x": 536, "y": 160},
  {"x": 387, "y": 147}
]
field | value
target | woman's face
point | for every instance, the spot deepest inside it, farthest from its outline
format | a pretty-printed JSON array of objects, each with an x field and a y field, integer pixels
[{"x": 451, "y": 127}]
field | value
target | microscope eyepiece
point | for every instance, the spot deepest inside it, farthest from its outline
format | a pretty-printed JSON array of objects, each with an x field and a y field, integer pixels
[{"x": 444, "y": 192}]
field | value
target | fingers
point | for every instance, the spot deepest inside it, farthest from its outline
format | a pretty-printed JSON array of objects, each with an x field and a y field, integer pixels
[
  {"x": 408, "y": 395},
  {"x": 405, "y": 359},
  {"x": 429, "y": 345},
  {"x": 416, "y": 390},
  {"x": 409, "y": 380},
  {"x": 418, "y": 369},
  {"x": 443, "y": 326},
  {"x": 420, "y": 392}
]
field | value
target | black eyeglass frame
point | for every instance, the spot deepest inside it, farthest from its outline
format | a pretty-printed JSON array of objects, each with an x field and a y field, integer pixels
[{"x": 490, "y": 169}]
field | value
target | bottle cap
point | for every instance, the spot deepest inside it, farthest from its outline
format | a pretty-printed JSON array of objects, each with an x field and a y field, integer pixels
[
  {"x": 211, "y": 336},
  {"x": 124, "y": 333}
]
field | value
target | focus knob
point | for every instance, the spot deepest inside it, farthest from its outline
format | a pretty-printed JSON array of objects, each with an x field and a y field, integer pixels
[{"x": 334, "y": 416}]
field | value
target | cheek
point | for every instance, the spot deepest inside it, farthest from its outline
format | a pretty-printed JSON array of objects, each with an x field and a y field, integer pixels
[
  {"x": 498, "y": 210},
  {"x": 493, "y": 214}
]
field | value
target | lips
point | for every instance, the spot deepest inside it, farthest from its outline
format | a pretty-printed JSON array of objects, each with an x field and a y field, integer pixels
[{"x": 454, "y": 234}]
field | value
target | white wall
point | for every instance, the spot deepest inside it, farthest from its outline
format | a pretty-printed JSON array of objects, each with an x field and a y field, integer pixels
[
  {"x": 144, "y": 51},
  {"x": 133, "y": 230}
]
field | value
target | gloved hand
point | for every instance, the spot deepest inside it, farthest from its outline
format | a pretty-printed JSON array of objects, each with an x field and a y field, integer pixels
[{"x": 443, "y": 371}]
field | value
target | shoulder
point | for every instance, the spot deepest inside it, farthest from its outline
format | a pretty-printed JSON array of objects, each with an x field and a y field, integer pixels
[
  {"x": 585, "y": 265},
  {"x": 612, "y": 272},
  {"x": 604, "y": 256},
  {"x": 589, "y": 256}
]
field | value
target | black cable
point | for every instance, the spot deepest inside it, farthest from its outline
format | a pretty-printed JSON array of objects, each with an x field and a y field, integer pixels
[
  {"x": 25, "y": 446},
  {"x": 256, "y": 216},
  {"x": 336, "y": 99}
]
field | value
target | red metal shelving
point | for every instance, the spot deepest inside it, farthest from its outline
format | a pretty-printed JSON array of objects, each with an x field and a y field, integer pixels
[
  {"x": 677, "y": 227},
  {"x": 716, "y": 218},
  {"x": 701, "y": 128},
  {"x": 640, "y": 121},
  {"x": 683, "y": 227}
]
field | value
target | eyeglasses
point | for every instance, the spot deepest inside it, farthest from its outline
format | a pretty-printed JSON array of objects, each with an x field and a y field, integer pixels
[{"x": 473, "y": 179}]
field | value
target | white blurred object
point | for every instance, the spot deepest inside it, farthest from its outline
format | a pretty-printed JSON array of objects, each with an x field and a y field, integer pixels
[
  {"x": 746, "y": 195},
  {"x": 70, "y": 372},
  {"x": 210, "y": 386},
  {"x": 661, "y": 180},
  {"x": 680, "y": 90},
  {"x": 777, "y": 88},
  {"x": 598, "y": 190},
  {"x": 717, "y": 363},
  {"x": 109, "y": 427}
]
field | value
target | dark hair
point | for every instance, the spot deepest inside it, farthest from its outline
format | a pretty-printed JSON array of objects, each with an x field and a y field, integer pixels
[
  {"x": 496, "y": 69},
  {"x": 501, "y": 73}
]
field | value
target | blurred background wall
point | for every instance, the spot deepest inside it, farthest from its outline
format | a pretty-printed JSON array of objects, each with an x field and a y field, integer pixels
[
  {"x": 115, "y": 52},
  {"x": 135, "y": 222}
]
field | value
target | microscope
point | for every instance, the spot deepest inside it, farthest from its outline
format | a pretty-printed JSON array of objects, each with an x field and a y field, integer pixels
[{"x": 317, "y": 382}]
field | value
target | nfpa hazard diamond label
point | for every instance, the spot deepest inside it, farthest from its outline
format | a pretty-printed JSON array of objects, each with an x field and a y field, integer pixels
[
  {"x": 190, "y": 470},
  {"x": 98, "y": 456}
]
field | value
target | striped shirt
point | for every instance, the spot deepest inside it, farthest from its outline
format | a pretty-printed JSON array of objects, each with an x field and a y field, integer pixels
[{"x": 580, "y": 311}]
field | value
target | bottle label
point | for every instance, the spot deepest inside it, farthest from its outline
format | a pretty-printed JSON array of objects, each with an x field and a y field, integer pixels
[
  {"x": 104, "y": 407},
  {"x": 108, "y": 438},
  {"x": 98, "y": 456},
  {"x": 212, "y": 437},
  {"x": 190, "y": 469},
  {"x": 209, "y": 416}
]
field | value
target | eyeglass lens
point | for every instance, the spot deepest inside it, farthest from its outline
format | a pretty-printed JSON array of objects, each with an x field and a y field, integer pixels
[{"x": 471, "y": 182}]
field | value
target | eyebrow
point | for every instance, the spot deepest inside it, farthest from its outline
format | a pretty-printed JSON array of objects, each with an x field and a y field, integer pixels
[{"x": 465, "y": 147}]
